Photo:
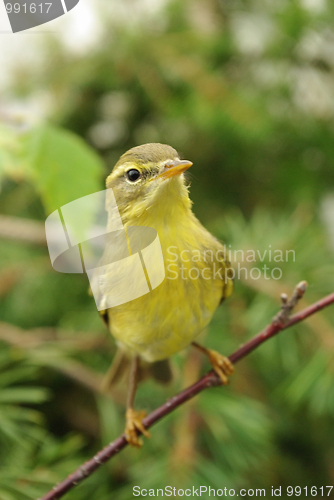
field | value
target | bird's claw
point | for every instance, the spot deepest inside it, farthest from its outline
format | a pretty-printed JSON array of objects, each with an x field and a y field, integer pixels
[
  {"x": 221, "y": 365},
  {"x": 134, "y": 423}
]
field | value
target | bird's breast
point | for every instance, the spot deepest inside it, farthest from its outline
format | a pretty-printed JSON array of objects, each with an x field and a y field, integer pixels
[{"x": 169, "y": 317}]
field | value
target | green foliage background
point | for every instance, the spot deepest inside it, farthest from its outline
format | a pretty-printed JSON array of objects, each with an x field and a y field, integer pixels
[{"x": 244, "y": 90}]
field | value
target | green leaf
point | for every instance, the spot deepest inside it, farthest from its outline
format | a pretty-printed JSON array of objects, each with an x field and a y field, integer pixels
[
  {"x": 61, "y": 165},
  {"x": 23, "y": 395},
  {"x": 11, "y": 162}
]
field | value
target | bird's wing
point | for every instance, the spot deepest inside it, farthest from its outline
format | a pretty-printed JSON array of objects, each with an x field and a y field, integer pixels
[
  {"x": 228, "y": 272},
  {"x": 228, "y": 286}
]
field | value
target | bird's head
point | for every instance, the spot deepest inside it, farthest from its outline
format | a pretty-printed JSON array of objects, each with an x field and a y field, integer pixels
[{"x": 149, "y": 179}]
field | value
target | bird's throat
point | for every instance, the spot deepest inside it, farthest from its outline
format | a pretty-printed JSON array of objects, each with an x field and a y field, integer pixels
[{"x": 165, "y": 208}]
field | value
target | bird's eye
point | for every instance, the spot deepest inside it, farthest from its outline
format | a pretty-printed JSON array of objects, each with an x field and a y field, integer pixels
[{"x": 133, "y": 174}]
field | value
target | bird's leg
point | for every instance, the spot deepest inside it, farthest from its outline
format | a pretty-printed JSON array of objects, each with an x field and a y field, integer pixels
[
  {"x": 221, "y": 364},
  {"x": 134, "y": 418}
]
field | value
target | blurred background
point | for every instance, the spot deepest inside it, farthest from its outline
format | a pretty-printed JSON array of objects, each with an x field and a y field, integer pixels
[{"x": 244, "y": 89}]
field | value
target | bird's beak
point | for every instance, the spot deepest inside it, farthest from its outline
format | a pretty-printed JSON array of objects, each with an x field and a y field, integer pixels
[{"x": 175, "y": 167}]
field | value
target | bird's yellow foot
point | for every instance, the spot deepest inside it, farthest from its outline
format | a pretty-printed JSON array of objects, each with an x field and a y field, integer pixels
[
  {"x": 221, "y": 365},
  {"x": 134, "y": 423}
]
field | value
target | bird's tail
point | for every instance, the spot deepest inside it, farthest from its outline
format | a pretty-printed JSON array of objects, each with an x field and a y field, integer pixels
[{"x": 160, "y": 370}]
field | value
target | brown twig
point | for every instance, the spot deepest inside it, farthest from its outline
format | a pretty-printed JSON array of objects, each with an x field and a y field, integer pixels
[
  {"x": 25, "y": 230},
  {"x": 278, "y": 324},
  {"x": 288, "y": 304},
  {"x": 41, "y": 342}
]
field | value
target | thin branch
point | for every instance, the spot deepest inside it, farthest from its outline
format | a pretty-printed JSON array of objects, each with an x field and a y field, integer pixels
[
  {"x": 279, "y": 323},
  {"x": 320, "y": 325},
  {"x": 48, "y": 336},
  {"x": 41, "y": 342},
  {"x": 24, "y": 230}
]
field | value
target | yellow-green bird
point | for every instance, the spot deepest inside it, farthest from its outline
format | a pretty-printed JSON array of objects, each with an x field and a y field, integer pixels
[{"x": 150, "y": 189}]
